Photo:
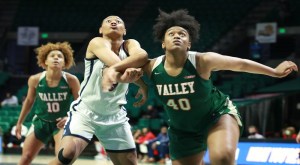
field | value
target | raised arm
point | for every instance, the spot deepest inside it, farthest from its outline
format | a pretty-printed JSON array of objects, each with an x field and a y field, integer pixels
[
  {"x": 215, "y": 62},
  {"x": 137, "y": 57},
  {"x": 119, "y": 71},
  {"x": 101, "y": 48}
]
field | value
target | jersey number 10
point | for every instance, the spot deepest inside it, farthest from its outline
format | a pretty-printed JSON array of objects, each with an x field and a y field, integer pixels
[{"x": 53, "y": 107}]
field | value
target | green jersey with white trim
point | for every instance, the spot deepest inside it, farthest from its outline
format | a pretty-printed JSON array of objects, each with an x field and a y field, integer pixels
[
  {"x": 52, "y": 102},
  {"x": 190, "y": 101}
]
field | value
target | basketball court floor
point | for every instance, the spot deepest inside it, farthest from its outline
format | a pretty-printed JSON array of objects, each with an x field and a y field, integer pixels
[
  {"x": 6, "y": 159},
  {"x": 12, "y": 159}
]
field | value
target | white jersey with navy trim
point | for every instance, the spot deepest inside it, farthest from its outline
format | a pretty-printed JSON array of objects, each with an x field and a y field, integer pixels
[{"x": 91, "y": 94}]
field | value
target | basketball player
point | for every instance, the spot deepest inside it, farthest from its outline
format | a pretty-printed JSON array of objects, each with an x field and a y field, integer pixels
[
  {"x": 200, "y": 115},
  {"x": 51, "y": 91},
  {"x": 102, "y": 114}
]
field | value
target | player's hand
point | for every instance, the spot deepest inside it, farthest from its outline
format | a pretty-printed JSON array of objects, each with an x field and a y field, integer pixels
[
  {"x": 18, "y": 131},
  {"x": 109, "y": 79},
  {"x": 131, "y": 75},
  {"x": 142, "y": 96},
  {"x": 61, "y": 122},
  {"x": 285, "y": 68}
]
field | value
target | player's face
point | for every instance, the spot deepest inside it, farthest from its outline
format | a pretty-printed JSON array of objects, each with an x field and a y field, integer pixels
[
  {"x": 176, "y": 38},
  {"x": 113, "y": 25},
  {"x": 55, "y": 59}
]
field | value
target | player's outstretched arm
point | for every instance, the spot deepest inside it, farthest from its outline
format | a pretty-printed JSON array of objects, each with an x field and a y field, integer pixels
[{"x": 216, "y": 62}]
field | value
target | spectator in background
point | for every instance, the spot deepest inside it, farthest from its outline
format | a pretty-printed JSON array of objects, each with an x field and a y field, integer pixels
[
  {"x": 289, "y": 133},
  {"x": 253, "y": 133},
  {"x": 101, "y": 154},
  {"x": 13, "y": 140},
  {"x": 136, "y": 135},
  {"x": 146, "y": 135},
  {"x": 160, "y": 144},
  {"x": 10, "y": 100}
]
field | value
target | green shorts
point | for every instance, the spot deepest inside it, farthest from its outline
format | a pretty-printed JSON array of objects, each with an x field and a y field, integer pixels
[
  {"x": 184, "y": 144},
  {"x": 43, "y": 130}
]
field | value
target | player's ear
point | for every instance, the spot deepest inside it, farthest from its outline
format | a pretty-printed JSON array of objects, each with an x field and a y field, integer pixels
[
  {"x": 189, "y": 46},
  {"x": 100, "y": 30},
  {"x": 163, "y": 46}
]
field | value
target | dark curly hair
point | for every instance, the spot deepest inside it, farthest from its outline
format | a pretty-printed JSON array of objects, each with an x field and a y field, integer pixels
[{"x": 176, "y": 18}]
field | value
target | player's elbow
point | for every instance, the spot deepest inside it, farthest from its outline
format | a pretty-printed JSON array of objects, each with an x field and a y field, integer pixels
[
  {"x": 142, "y": 57},
  {"x": 142, "y": 54}
]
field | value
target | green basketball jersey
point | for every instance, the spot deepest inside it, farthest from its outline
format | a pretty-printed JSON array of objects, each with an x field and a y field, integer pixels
[
  {"x": 191, "y": 102},
  {"x": 52, "y": 102}
]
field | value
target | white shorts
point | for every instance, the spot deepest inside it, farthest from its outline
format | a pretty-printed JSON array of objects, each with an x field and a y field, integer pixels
[{"x": 113, "y": 131}]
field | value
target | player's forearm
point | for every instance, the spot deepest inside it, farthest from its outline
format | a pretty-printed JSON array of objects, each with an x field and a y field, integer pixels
[
  {"x": 22, "y": 117},
  {"x": 140, "y": 82},
  {"x": 24, "y": 112},
  {"x": 257, "y": 68},
  {"x": 134, "y": 61}
]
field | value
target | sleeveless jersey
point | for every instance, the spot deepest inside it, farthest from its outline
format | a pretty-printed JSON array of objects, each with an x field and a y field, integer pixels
[
  {"x": 190, "y": 101},
  {"x": 52, "y": 102},
  {"x": 91, "y": 94}
]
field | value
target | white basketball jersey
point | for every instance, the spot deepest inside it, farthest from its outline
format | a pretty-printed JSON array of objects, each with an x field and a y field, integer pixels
[{"x": 91, "y": 94}]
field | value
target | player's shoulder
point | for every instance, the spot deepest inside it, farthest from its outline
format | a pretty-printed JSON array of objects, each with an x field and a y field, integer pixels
[
  {"x": 36, "y": 76},
  {"x": 34, "y": 79},
  {"x": 156, "y": 60},
  {"x": 98, "y": 40},
  {"x": 131, "y": 42},
  {"x": 199, "y": 53},
  {"x": 206, "y": 55}
]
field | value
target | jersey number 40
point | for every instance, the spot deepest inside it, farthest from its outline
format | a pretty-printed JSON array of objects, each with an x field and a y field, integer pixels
[{"x": 180, "y": 104}]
